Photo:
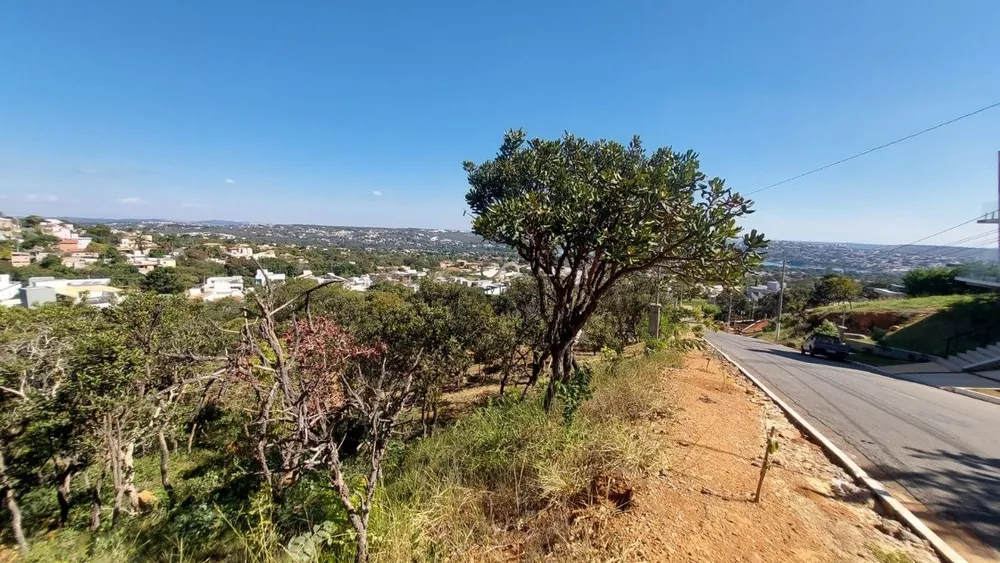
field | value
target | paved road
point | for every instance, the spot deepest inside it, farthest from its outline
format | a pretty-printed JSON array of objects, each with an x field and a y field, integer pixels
[{"x": 944, "y": 448}]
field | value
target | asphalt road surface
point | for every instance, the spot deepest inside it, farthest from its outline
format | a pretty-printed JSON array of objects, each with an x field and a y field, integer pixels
[{"x": 943, "y": 448}]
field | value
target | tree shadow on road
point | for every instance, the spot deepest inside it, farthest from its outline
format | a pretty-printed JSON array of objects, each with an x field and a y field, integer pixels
[
  {"x": 970, "y": 495},
  {"x": 804, "y": 358}
]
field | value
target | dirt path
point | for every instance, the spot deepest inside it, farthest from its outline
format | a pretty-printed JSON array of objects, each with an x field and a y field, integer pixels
[{"x": 699, "y": 507}]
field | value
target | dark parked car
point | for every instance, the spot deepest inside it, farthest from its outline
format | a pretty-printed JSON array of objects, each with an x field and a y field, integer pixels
[{"x": 825, "y": 345}]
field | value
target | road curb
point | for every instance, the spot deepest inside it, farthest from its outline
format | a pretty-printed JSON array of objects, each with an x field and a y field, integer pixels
[
  {"x": 868, "y": 367},
  {"x": 973, "y": 394},
  {"x": 884, "y": 497}
]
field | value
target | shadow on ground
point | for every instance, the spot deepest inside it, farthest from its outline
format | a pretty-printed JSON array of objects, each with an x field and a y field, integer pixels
[{"x": 970, "y": 495}]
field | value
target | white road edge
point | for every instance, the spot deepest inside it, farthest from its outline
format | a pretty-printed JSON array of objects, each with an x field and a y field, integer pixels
[{"x": 884, "y": 497}]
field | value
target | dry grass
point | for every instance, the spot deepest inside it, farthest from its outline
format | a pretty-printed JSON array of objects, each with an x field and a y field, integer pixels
[{"x": 511, "y": 481}]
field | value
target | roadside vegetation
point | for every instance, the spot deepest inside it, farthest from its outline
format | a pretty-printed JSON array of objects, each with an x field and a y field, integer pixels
[
  {"x": 308, "y": 422},
  {"x": 941, "y": 315}
]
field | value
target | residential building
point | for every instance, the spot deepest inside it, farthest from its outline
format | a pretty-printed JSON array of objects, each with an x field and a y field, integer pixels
[
  {"x": 80, "y": 260},
  {"x": 31, "y": 297},
  {"x": 9, "y": 291},
  {"x": 146, "y": 265},
  {"x": 20, "y": 259},
  {"x": 57, "y": 228},
  {"x": 321, "y": 278},
  {"x": 221, "y": 287},
  {"x": 755, "y": 292},
  {"x": 264, "y": 254},
  {"x": 98, "y": 291},
  {"x": 240, "y": 251},
  {"x": 264, "y": 276},
  {"x": 74, "y": 244},
  {"x": 9, "y": 225},
  {"x": 358, "y": 283},
  {"x": 883, "y": 293}
]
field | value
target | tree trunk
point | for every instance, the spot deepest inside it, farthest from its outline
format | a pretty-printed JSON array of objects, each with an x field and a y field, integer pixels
[
  {"x": 128, "y": 475},
  {"x": 503, "y": 379},
  {"x": 194, "y": 428},
  {"x": 361, "y": 541},
  {"x": 15, "y": 511},
  {"x": 165, "y": 466},
  {"x": 562, "y": 370},
  {"x": 123, "y": 473},
  {"x": 558, "y": 375},
  {"x": 62, "y": 494},
  {"x": 95, "y": 501},
  {"x": 537, "y": 363}
]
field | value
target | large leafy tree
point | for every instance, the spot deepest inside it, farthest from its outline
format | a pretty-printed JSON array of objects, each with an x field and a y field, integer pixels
[
  {"x": 584, "y": 215},
  {"x": 836, "y": 288},
  {"x": 932, "y": 281}
]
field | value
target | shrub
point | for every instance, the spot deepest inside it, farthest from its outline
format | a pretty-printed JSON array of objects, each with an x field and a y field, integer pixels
[
  {"x": 827, "y": 328},
  {"x": 879, "y": 333}
]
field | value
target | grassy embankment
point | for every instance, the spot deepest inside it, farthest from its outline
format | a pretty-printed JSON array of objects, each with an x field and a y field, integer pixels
[
  {"x": 507, "y": 479},
  {"x": 929, "y": 321}
]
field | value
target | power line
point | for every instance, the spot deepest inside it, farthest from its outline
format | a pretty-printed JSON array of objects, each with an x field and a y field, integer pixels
[
  {"x": 963, "y": 252},
  {"x": 953, "y": 246},
  {"x": 949, "y": 229},
  {"x": 873, "y": 149}
]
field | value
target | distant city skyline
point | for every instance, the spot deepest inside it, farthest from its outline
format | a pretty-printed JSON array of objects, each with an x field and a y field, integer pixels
[{"x": 362, "y": 114}]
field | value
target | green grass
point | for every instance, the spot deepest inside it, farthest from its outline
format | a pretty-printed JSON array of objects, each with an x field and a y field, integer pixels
[
  {"x": 911, "y": 304},
  {"x": 928, "y": 334},
  {"x": 888, "y": 555},
  {"x": 510, "y": 463}
]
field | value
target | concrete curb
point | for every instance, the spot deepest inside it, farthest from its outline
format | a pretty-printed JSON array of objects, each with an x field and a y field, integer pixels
[
  {"x": 977, "y": 374},
  {"x": 974, "y": 395},
  {"x": 884, "y": 497},
  {"x": 868, "y": 367}
]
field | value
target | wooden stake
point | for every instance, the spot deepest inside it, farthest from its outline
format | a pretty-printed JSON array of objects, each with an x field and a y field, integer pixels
[{"x": 764, "y": 466}]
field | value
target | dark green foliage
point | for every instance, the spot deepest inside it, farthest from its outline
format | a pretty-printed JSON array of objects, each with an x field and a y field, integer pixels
[
  {"x": 101, "y": 234},
  {"x": 167, "y": 280},
  {"x": 932, "y": 281},
  {"x": 34, "y": 240},
  {"x": 586, "y": 215},
  {"x": 836, "y": 288},
  {"x": 574, "y": 392},
  {"x": 827, "y": 328},
  {"x": 879, "y": 334}
]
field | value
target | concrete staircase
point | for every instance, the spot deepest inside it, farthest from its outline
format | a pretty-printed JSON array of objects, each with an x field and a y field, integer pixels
[{"x": 980, "y": 359}]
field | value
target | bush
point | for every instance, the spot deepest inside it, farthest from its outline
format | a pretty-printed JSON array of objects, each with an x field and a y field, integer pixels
[
  {"x": 932, "y": 281},
  {"x": 827, "y": 328},
  {"x": 879, "y": 333}
]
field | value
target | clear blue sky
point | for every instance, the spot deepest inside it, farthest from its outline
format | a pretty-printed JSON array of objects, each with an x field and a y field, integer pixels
[{"x": 324, "y": 113}]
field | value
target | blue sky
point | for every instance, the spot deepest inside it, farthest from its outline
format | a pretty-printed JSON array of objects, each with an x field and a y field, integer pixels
[{"x": 323, "y": 113}]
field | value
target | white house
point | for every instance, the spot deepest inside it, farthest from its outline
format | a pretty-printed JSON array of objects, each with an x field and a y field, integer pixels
[
  {"x": 9, "y": 291},
  {"x": 359, "y": 283},
  {"x": 240, "y": 251},
  {"x": 755, "y": 292},
  {"x": 98, "y": 291},
  {"x": 264, "y": 276},
  {"x": 57, "y": 228},
  {"x": 221, "y": 287}
]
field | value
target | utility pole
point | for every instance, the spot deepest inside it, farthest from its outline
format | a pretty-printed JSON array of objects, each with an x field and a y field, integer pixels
[
  {"x": 729, "y": 317},
  {"x": 781, "y": 302},
  {"x": 654, "y": 310}
]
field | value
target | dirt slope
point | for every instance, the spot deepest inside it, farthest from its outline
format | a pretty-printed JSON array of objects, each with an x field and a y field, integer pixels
[{"x": 698, "y": 507}]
